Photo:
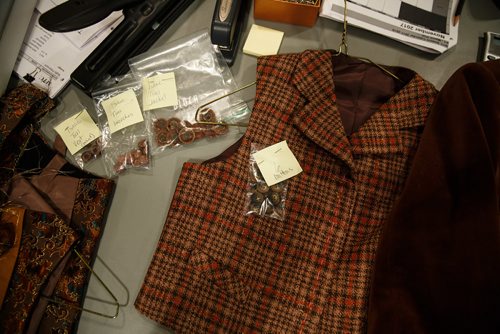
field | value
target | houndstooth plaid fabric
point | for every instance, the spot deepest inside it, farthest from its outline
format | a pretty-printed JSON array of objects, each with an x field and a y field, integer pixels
[{"x": 217, "y": 270}]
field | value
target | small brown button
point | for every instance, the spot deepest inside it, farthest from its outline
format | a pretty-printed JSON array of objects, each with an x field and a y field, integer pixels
[
  {"x": 186, "y": 136},
  {"x": 165, "y": 137},
  {"x": 160, "y": 123},
  {"x": 262, "y": 187},
  {"x": 87, "y": 156},
  {"x": 207, "y": 115},
  {"x": 143, "y": 146},
  {"x": 277, "y": 188},
  {"x": 96, "y": 150},
  {"x": 258, "y": 198},
  {"x": 174, "y": 124},
  {"x": 275, "y": 198}
]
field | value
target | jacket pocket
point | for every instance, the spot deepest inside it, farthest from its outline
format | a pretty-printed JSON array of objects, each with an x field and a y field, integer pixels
[{"x": 218, "y": 275}]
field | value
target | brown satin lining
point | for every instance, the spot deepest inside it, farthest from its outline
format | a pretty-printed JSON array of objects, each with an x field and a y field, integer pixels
[
  {"x": 228, "y": 152},
  {"x": 361, "y": 88},
  {"x": 23, "y": 193},
  {"x": 47, "y": 191}
]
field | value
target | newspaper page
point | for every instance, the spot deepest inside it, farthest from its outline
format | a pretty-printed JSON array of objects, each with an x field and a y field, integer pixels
[{"x": 423, "y": 24}]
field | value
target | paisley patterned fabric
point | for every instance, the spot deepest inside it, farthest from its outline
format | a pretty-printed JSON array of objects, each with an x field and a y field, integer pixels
[
  {"x": 46, "y": 239},
  {"x": 90, "y": 205},
  {"x": 47, "y": 268},
  {"x": 20, "y": 109}
]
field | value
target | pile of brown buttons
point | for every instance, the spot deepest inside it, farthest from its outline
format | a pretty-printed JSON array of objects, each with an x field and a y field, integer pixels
[
  {"x": 92, "y": 151},
  {"x": 264, "y": 200},
  {"x": 135, "y": 158},
  {"x": 173, "y": 131}
]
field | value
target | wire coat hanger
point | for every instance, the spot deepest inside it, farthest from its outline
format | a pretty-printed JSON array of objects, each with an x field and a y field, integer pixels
[
  {"x": 114, "y": 302},
  {"x": 344, "y": 50}
]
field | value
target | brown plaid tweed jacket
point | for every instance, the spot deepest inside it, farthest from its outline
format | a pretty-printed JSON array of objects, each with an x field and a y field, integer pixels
[{"x": 218, "y": 270}]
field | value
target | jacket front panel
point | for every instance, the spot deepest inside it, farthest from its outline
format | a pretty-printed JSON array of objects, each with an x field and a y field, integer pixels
[{"x": 218, "y": 270}]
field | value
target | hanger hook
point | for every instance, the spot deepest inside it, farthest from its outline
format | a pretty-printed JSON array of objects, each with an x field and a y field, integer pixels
[{"x": 343, "y": 43}]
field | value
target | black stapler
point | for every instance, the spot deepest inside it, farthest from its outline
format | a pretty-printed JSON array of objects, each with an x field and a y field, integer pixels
[
  {"x": 144, "y": 22},
  {"x": 227, "y": 24}
]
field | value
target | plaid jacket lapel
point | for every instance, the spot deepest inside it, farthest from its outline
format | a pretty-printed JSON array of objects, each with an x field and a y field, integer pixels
[
  {"x": 320, "y": 120},
  {"x": 406, "y": 109}
]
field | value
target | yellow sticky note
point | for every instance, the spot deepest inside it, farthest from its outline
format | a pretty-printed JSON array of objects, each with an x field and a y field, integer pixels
[
  {"x": 159, "y": 91},
  {"x": 122, "y": 110},
  {"x": 277, "y": 163},
  {"x": 77, "y": 131},
  {"x": 262, "y": 41}
]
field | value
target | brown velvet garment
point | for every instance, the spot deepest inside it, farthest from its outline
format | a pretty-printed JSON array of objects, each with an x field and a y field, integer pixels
[{"x": 438, "y": 263}]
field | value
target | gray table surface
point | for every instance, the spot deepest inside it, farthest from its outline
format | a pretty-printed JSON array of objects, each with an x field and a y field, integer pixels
[{"x": 141, "y": 201}]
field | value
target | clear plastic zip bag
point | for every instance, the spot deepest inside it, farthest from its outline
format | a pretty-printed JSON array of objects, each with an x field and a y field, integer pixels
[
  {"x": 76, "y": 128},
  {"x": 261, "y": 199},
  {"x": 125, "y": 140},
  {"x": 179, "y": 78}
]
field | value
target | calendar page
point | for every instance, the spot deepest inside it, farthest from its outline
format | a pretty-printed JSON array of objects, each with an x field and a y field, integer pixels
[{"x": 424, "y": 24}]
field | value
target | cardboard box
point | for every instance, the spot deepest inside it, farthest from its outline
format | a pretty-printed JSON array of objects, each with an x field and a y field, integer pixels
[{"x": 287, "y": 12}]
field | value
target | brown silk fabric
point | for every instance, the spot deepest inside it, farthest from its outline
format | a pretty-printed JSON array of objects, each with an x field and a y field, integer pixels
[
  {"x": 438, "y": 263},
  {"x": 218, "y": 270}
]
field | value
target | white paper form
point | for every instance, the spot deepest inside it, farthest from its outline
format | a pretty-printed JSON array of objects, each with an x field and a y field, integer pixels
[
  {"x": 47, "y": 59},
  {"x": 423, "y": 24},
  {"x": 81, "y": 37}
]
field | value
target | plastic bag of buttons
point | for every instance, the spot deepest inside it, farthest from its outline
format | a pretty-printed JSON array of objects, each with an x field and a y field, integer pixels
[
  {"x": 125, "y": 140},
  {"x": 261, "y": 199},
  {"x": 179, "y": 78},
  {"x": 79, "y": 131}
]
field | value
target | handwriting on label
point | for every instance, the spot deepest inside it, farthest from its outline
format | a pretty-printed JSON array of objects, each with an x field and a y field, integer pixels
[
  {"x": 122, "y": 110},
  {"x": 277, "y": 163},
  {"x": 77, "y": 131},
  {"x": 159, "y": 91},
  {"x": 281, "y": 173}
]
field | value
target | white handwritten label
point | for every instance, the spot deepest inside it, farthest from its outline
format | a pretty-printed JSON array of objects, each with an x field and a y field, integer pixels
[
  {"x": 159, "y": 91},
  {"x": 122, "y": 110},
  {"x": 77, "y": 131},
  {"x": 277, "y": 163}
]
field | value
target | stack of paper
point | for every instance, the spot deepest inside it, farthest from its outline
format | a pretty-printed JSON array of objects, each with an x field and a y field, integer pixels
[
  {"x": 47, "y": 59},
  {"x": 424, "y": 24}
]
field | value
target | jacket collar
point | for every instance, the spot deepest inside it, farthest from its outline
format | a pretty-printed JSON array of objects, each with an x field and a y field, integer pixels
[{"x": 381, "y": 133}]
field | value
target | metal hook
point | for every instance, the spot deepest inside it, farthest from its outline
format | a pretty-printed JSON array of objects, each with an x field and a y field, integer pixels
[
  {"x": 217, "y": 99},
  {"x": 343, "y": 48},
  {"x": 343, "y": 42}
]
